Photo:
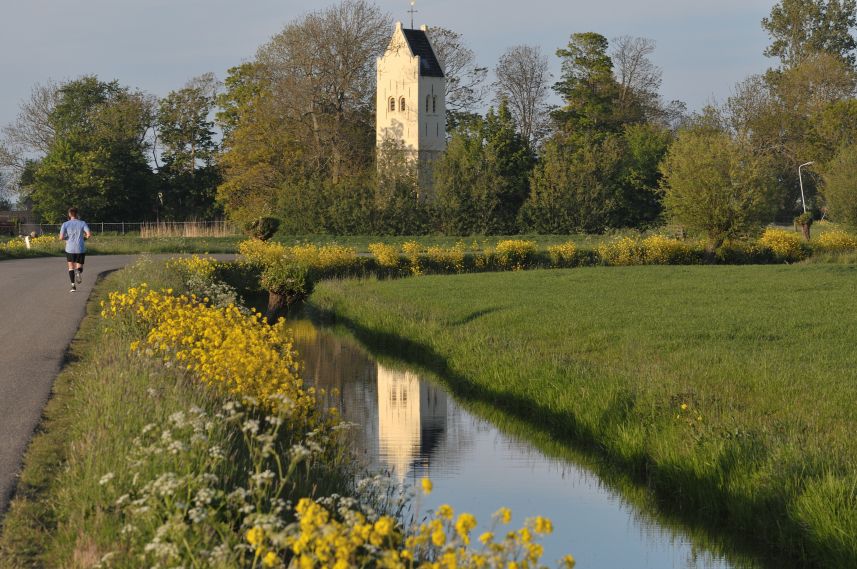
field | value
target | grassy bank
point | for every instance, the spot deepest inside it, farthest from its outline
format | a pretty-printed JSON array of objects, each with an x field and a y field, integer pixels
[
  {"x": 133, "y": 457},
  {"x": 730, "y": 390}
]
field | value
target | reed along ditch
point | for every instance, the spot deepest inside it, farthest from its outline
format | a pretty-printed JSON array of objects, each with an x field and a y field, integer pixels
[{"x": 410, "y": 426}]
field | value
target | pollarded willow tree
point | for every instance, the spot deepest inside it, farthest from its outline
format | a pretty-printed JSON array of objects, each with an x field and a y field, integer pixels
[{"x": 716, "y": 185}]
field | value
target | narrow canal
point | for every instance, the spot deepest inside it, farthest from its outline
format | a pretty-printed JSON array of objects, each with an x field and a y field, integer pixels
[{"x": 411, "y": 427}]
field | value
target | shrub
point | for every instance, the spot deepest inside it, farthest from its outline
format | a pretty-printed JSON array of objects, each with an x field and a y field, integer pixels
[
  {"x": 258, "y": 253},
  {"x": 263, "y": 228},
  {"x": 515, "y": 254},
  {"x": 446, "y": 259},
  {"x": 733, "y": 252},
  {"x": 334, "y": 259},
  {"x": 621, "y": 251},
  {"x": 563, "y": 255},
  {"x": 785, "y": 245},
  {"x": 387, "y": 256},
  {"x": 661, "y": 250},
  {"x": 412, "y": 251},
  {"x": 835, "y": 241}
]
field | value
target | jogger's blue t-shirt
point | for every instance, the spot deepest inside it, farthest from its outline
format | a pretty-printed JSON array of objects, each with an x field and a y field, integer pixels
[{"x": 74, "y": 230}]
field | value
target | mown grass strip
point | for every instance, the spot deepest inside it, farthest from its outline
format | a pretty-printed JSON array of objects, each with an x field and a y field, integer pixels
[{"x": 730, "y": 390}]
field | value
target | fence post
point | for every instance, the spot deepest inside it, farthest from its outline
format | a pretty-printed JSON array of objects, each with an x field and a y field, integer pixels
[
  {"x": 102, "y": 227},
  {"x": 123, "y": 228}
]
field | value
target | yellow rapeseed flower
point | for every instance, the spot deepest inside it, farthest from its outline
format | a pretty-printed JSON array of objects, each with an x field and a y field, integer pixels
[
  {"x": 463, "y": 525},
  {"x": 270, "y": 559},
  {"x": 255, "y": 536},
  {"x": 504, "y": 515},
  {"x": 427, "y": 485},
  {"x": 543, "y": 525},
  {"x": 445, "y": 511}
]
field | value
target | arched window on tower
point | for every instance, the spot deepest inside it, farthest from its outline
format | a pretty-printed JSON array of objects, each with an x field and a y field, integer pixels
[
  {"x": 428, "y": 101},
  {"x": 433, "y": 104},
  {"x": 392, "y": 104},
  {"x": 402, "y": 104}
]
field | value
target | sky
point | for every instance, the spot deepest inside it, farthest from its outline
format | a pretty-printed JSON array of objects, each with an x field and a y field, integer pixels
[{"x": 703, "y": 46}]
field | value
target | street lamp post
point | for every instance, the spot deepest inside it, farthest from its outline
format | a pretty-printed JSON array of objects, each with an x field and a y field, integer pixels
[{"x": 800, "y": 179}]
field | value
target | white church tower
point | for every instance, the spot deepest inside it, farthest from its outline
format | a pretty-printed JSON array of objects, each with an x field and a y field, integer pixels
[{"x": 411, "y": 108}]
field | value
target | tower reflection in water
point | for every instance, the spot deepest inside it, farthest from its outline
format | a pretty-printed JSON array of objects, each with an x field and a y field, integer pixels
[
  {"x": 404, "y": 424},
  {"x": 411, "y": 420}
]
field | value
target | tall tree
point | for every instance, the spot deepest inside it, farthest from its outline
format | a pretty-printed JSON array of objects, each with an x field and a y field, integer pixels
[
  {"x": 465, "y": 79},
  {"x": 185, "y": 126},
  {"x": 639, "y": 79},
  {"x": 799, "y": 28},
  {"x": 397, "y": 208},
  {"x": 646, "y": 145},
  {"x": 31, "y": 134},
  {"x": 523, "y": 81},
  {"x": 577, "y": 185},
  {"x": 840, "y": 187},
  {"x": 482, "y": 181},
  {"x": 322, "y": 77},
  {"x": 587, "y": 86},
  {"x": 97, "y": 158},
  {"x": 188, "y": 175}
]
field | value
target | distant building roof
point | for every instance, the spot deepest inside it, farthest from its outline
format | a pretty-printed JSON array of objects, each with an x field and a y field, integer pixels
[{"x": 420, "y": 46}]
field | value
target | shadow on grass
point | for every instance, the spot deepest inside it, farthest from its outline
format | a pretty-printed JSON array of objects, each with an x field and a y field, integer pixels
[{"x": 750, "y": 529}]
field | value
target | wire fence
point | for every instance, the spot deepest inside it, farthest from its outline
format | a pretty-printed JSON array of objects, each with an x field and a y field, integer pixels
[{"x": 218, "y": 228}]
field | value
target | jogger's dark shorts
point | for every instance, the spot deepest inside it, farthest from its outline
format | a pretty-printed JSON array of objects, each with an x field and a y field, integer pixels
[{"x": 75, "y": 257}]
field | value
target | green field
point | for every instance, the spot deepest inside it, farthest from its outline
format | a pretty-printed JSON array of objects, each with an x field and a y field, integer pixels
[{"x": 731, "y": 391}]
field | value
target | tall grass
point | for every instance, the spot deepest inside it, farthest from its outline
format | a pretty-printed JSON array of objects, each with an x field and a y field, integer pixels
[
  {"x": 187, "y": 229},
  {"x": 731, "y": 391}
]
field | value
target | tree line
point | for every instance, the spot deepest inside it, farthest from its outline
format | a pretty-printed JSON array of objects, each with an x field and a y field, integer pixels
[{"x": 291, "y": 134}]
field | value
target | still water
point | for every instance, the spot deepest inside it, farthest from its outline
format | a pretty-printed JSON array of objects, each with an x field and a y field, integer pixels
[{"x": 412, "y": 427}]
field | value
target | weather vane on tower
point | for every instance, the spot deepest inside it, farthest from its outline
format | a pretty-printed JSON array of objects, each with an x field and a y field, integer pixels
[{"x": 412, "y": 12}]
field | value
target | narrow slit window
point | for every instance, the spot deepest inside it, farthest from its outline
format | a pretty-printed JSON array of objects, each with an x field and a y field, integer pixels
[
  {"x": 434, "y": 104},
  {"x": 392, "y": 104},
  {"x": 402, "y": 104}
]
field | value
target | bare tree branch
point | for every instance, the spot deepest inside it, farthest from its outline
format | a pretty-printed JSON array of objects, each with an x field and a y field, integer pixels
[
  {"x": 523, "y": 80},
  {"x": 465, "y": 80}
]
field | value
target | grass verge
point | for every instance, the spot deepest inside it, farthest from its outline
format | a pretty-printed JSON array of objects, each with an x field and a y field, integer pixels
[
  {"x": 730, "y": 390},
  {"x": 92, "y": 447}
]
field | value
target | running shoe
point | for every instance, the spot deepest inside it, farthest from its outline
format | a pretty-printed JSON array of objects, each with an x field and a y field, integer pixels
[{"x": 73, "y": 288}]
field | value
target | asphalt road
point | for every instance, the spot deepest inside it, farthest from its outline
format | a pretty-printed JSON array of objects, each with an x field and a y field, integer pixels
[{"x": 38, "y": 319}]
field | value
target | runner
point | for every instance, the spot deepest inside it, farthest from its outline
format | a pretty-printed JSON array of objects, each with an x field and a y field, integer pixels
[{"x": 74, "y": 232}]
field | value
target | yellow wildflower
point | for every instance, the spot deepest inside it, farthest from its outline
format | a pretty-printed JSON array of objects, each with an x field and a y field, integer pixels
[
  {"x": 255, "y": 536},
  {"x": 504, "y": 515},
  {"x": 270, "y": 559},
  {"x": 445, "y": 511}
]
